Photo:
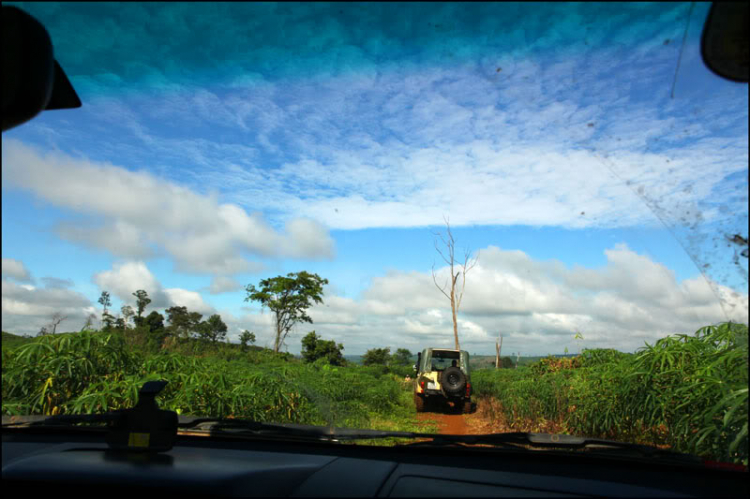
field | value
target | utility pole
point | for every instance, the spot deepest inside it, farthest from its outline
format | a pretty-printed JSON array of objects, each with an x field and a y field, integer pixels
[{"x": 498, "y": 348}]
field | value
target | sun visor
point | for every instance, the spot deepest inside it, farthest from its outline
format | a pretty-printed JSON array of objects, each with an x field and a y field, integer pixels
[{"x": 63, "y": 95}]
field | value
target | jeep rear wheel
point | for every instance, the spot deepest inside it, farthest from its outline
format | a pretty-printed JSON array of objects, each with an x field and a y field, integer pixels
[
  {"x": 453, "y": 381},
  {"x": 419, "y": 402}
]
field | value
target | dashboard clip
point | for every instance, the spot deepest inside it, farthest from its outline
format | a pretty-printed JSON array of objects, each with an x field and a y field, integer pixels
[{"x": 145, "y": 427}]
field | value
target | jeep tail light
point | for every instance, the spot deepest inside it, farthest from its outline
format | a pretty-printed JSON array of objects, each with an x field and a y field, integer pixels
[
  {"x": 468, "y": 388},
  {"x": 421, "y": 383}
]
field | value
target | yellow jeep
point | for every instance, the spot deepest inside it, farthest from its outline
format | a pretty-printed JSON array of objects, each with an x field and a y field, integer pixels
[{"x": 442, "y": 378}]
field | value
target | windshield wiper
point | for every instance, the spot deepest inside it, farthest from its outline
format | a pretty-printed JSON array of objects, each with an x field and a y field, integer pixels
[
  {"x": 526, "y": 440},
  {"x": 519, "y": 440},
  {"x": 250, "y": 427},
  {"x": 523, "y": 441},
  {"x": 59, "y": 420}
]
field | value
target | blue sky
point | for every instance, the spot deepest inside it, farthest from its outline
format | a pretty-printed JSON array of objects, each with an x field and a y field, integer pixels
[{"x": 219, "y": 144}]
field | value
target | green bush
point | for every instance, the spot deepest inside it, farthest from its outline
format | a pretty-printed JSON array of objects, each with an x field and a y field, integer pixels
[
  {"x": 96, "y": 372},
  {"x": 687, "y": 392}
]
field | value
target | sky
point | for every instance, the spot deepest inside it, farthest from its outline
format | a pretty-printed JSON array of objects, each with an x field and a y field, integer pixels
[{"x": 599, "y": 185}]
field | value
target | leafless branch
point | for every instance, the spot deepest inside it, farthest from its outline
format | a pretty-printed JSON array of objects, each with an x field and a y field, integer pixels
[
  {"x": 57, "y": 318},
  {"x": 441, "y": 253},
  {"x": 434, "y": 279},
  {"x": 469, "y": 263}
]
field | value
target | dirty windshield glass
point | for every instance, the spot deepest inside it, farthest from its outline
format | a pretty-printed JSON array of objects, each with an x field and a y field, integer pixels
[
  {"x": 441, "y": 360},
  {"x": 274, "y": 207}
]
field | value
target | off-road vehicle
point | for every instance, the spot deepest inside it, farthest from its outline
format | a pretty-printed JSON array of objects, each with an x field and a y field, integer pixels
[{"x": 442, "y": 379}]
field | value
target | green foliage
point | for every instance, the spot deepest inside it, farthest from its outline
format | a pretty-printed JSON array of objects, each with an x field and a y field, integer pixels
[
  {"x": 402, "y": 357},
  {"x": 686, "y": 392},
  {"x": 127, "y": 313},
  {"x": 141, "y": 302},
  {"x": 183, "y": 323},
  {"x": 288, "y": 298},
  {"x": 377, "y": 356},
  {"x": 213, "y": 330},
  {"x": 554, "y": 364},
  {"x": 105, "y": 301},
  {"x": 108, "y": 320},
  {"x": 97, "y": 372},
  {"x": 246, "y": 338},
  {"x": 598, "y": 356},
  {"x": 11, "y": 341},
  {"x": 315, "y": 348},
  {"x": 506, "y": 363}
]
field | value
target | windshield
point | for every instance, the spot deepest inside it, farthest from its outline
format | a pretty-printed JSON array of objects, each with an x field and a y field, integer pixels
[
  {"x": 442, "y": 359},
  {"x": 274, "y": 207}
]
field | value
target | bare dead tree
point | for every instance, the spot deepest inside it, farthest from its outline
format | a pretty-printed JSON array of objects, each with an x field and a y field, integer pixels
[
  {"x": 57, "y": 318},
  {"x": 498, "y": 349},
  {"x": 457, "y": 271},
  {"x": 89, "y": 322}
]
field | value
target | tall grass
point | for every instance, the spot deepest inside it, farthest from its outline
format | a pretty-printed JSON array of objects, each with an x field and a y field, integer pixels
[
  {"x": 92, "y": 372},
  {"x": 688, "y": 392}
]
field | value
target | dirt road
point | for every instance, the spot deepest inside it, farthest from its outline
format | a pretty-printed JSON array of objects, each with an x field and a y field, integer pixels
[
  {"x": 449, "y": 424},
  {"x": 484, "y": 419}
]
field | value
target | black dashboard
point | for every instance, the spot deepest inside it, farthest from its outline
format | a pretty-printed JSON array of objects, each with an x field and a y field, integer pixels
[{"x": 34, "y": 460}]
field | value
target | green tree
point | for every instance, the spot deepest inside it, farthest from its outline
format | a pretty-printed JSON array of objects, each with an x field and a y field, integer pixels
[
  {"x": 213, "y": 329},
  {"x": 156, "y": 330},
  {"x": 246, "y": 338},
  {"x": 288, "y": 298},
  {"x": 507, "y": 363},
  {"x": 402, "y": 357},
  {"x": 182, "y": 323},
  {"x": 105, "y": 302},
  {"x": 141, "y": 302},
  {"x": 314, "y": 348},
  {"x": 155, "y": 322},
  {"x": 377, "y": 356},
  {"x": 127, "y": 314},
  {"x": 108, "y": 320}
]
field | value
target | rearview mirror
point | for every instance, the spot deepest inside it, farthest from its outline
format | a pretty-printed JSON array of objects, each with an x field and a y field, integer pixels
[
  {"x": 32, "y": 78},
  {"x": 725, "y": 39}
]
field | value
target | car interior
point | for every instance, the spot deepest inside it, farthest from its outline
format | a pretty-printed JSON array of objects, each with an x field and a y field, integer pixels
[{"x": 70, "y": 458}]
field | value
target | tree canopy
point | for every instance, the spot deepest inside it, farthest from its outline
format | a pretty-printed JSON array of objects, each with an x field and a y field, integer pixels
[
  {"x": 288, "y": 297},
  {"x": 246, "y": 338},
  {"x": 213, "y": 329},
  {"x": 377, "y": 356},
  {"x": 182, "y": 323},
  {"x": 141, "y": 302},
  {"x": 402, "y": 357},
  {"x": 314, "y": 347}
]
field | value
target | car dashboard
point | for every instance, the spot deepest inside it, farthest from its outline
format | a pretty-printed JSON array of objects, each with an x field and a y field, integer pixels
[{"x": 199, "y": 465}]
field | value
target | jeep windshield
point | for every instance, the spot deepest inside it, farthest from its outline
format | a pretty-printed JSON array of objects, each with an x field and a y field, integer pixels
[
  {"x": 276, "y": 207},
  {"x": 442, "y": 359}
]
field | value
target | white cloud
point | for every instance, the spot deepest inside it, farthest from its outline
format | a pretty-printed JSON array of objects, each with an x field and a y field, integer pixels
[
  {"x": 223, "y": 284},
  {"x": 190, "y": 299},
  {"x": 16, "y": 270},
  {"x": 26, "y": 309},
  {"x": 128, "y": 277},
  {"x": 537, "y": 305},
  {"x": 141, "y": 212},
  {"x": 57, "y": 283}
]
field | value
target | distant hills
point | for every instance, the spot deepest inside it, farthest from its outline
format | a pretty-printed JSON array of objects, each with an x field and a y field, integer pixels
[
  {"x": 13, "y": 340},
  {"x": 480, "y": 361}
]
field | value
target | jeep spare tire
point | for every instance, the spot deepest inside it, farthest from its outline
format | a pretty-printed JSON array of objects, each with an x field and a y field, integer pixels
[{"x": 453, "y": 381}]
